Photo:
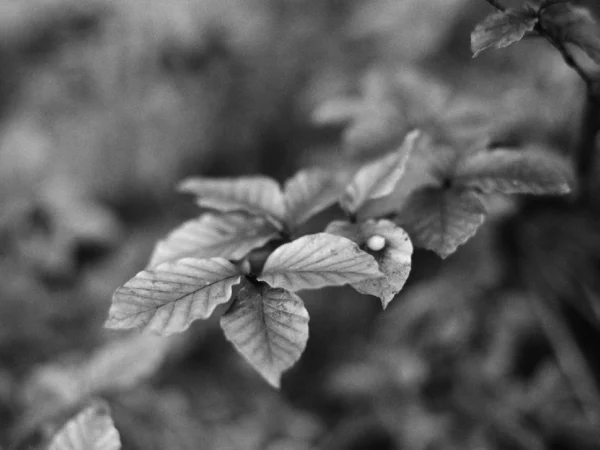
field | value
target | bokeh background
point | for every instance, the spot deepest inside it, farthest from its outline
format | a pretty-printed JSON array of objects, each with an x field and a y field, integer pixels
[{"x": 106, "y": 104}]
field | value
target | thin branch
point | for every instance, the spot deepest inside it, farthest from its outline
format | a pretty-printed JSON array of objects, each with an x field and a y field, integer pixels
[
  {"x": 586, "y": 150},
  {"x": 496, "y": 4},
  {"x": 569, "y": 60},
  {"x": 585, "y": 153},
  {"x": 568, "y": 354},
  {"x": 562, "y": 49}
]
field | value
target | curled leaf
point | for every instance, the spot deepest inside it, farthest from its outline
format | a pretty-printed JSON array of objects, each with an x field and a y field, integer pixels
[
  {"x": 170, "y": 297},
  {"x": 393, "y": 252},
  {"x": 378, "y": 178},
  {"x": 318, "y": 260},
  {"x": 269, "y": 327}
]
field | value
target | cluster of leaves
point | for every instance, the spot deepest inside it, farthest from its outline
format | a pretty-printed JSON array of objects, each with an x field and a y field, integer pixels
[
  {"x": 558, "y": 20},
  {"x": 248, "y": 240},
  {"x": 195, "y": 269},
  {"x": 441, "y": 199}
]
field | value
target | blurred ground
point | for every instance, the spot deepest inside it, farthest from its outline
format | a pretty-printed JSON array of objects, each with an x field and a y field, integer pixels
[{"x": 104, "y": 105}]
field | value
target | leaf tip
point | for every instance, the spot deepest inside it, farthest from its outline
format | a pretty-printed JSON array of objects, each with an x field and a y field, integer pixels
[{"x": 273, "y": 379}]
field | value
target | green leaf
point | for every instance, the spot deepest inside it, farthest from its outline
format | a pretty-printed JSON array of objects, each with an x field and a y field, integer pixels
[
  {"x": 515, "y": 172},
  {"x": 318, "y": 260},
  {"x": 501, "y": 29},
  {"x": 310, "y": 192},
  {"x": 378, "y": 178},
  {"x": 575, "y": 25},
  {"x": 91, "y": 429},
  {"x": 229, "y": 236},
  {"x": 441, "y": 219},
  {"x": 170, "y": 297},
  {"x": 255, "y": 194},
  {"x": 269, "y": 327},
  {"x": 394, "y": 258}
]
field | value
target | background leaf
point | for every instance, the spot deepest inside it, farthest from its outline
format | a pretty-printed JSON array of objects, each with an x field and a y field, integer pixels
[
  {"x": 170, "y": 297},
  {"x": 515, "y": 172},
  {"x": 229, "y": 236},
  {"x": 501, "y": 29},
  {"x": 441, "y": 219},
  {"x": 269, "y": 327},
  {"x": 318, "y": 260},
  {"x": 119, "y": 365},
  {"x": 256, "y": 194},
  {"x": 91, "y": 429},
  {"x": 309, "y": 192},
  {"x": 394, "y": 259},
  {"x": 378, "y": 178}
]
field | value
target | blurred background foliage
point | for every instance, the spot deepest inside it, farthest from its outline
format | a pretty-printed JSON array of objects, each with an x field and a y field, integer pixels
[{"x": 106, "y": 104}]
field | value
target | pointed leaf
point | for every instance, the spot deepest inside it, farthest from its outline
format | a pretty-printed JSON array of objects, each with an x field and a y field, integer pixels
[
  {"x": 378, "y": 178},
  {"x": 310, "y": 192},
  {"x": 229, "y": 236},
  {"x": 515, "y": 172},
  {"x": 91, "y": 429},
  {"x": 269, "y": 327},
  {"x": 501, "y": 29},
  {"x": 318, "y": 260},
  {"x": 394, "y": 256},
  {"x": 256, "y": 194},
  {"x": 442, "y": 219},
  {"x": 170, "y": 297}
]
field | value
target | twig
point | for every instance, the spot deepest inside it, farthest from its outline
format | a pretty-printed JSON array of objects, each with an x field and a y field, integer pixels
[
  {"x": 569, "y": 60},
  {"x": 563, "y": 50},
  {"x": 586, "y": 150},
  {"x": 568, "y": 354},
  {"x": 496, "y": 4}
]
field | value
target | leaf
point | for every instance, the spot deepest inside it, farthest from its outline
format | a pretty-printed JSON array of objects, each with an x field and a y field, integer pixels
[
  {"x": 229, "y": 236},
  {"x": 255, "y": 194},
  {"x": 170, "y": 297},
  {"x": 318, "y": 260},
  {"x": 122, "y": 364},
  {"x": 515, "y": 172},
  {"x": 501, "y": 29},
  {"x": 428, "y": 165},
  {"x": 394, "y": 258},
  {"x": 575, "y": 25},
  {"x": 441, "y": 219},
  {"x": 117, "y": 366},
  {"x": 310, "y": 192},
  {"x": 269, "y": 327},
  {"x": 378, "y": 178},
  {"x": 91, "y": 429}
]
